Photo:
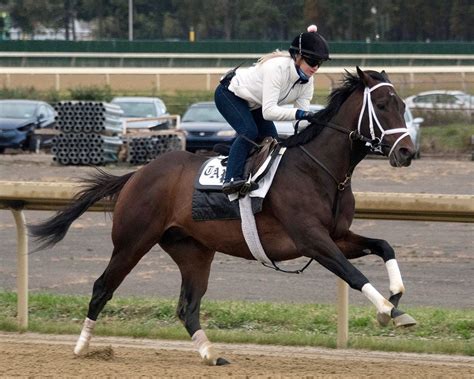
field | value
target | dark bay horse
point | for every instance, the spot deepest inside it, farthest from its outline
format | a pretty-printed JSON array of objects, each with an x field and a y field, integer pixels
[{"x": 308, "y": 211}]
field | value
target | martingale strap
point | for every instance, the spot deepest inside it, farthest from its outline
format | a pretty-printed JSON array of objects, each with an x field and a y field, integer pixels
[{"x": 367, "y": 103}]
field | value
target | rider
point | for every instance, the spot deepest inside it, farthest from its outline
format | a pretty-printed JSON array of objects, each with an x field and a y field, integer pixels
[{"x": 250, "y": 99}]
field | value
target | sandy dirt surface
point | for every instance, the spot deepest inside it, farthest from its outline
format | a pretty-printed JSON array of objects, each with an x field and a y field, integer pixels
[
  {"x": 435, "y": 258},
  {"x": 34, "y": 355}
]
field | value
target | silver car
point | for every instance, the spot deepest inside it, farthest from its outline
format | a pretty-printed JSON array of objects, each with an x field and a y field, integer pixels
[
  {"x": 413, "y": 126},
  {"x": 441, "y": 100},
  {"x": 135, "y": 107}
]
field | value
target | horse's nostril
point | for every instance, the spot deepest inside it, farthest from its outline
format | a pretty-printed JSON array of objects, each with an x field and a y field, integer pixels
[{"x": 406, "y": 153}]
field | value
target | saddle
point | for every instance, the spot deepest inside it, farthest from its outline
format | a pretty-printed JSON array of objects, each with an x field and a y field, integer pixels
[
  {"x": 257, "y": 158},
  {"x": 211, "y": 203},
  {"x": 259, "y": 155}
]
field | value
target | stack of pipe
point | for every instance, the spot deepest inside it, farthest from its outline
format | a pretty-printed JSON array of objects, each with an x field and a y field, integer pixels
[
  {"x": 89, "y": 132},
  {"x": 141, "y": 150}
]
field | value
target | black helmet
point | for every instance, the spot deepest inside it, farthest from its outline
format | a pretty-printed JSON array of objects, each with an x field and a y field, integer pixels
[{"x": 311, "y": 45}]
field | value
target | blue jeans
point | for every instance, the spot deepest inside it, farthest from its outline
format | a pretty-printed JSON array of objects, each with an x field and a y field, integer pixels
[{"x": 250, "y": 124}]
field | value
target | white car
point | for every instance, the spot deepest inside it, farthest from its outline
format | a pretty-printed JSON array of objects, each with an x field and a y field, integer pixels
[
  {"x": 441, "y": 100},
  {"x": 413, "y": 126},
  {"x": 135, "y": 107}
]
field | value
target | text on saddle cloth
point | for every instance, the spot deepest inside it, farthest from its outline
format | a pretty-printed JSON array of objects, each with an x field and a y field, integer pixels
[{"x": 212, "y": 173}]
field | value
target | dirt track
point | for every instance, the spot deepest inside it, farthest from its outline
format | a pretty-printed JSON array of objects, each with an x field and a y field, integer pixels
[{"x": 39, "y": 355}]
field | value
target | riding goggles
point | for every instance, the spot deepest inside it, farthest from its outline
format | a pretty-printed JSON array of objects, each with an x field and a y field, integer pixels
[{"x": 313, "y": 62}]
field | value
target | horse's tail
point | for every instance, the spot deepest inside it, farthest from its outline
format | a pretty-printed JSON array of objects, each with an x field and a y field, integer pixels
[{"x": 98, "y": 186}]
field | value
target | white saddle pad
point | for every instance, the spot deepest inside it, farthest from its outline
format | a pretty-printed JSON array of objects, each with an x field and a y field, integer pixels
[{"x": 212, "y": 174}]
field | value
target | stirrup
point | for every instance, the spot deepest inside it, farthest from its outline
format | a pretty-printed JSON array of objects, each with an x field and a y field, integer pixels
[
  {"x": 240, "y": 186},
  {"x": 247, "y": 187}
]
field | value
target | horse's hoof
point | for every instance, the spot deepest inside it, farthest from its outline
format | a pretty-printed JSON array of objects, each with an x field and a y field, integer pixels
[
  {"x": 383, "y": 319},
  {"x": 222, "y": 362},
  {"x": 404, "y": 320},
  {"x": 80, "y": 353},
  {"x": 210, "y": 357},
  {"x": 81, "y": 349}
]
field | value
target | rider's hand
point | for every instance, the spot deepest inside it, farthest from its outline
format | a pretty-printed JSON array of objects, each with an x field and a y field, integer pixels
[{"x": 305, "y": 115}]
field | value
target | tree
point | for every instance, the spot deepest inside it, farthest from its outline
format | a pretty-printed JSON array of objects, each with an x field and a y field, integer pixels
[
  {"x": 395, "y": 20},
  {"x": 29, "y": 15}
]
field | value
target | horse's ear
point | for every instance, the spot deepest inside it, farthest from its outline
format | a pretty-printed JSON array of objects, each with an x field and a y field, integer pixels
[
  {"x": 363, "y": 76},
  {"x": 385, "y": 76}
]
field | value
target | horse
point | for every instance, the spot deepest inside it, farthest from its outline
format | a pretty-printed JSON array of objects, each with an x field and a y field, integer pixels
[{"x": 311, "y": 217}]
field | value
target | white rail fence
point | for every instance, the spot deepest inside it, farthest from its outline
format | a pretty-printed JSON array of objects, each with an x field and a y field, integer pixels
[
  {"x": 206, "y": 78},
  {"x": 20, "y": 196},
  {"x": 172, "y": 58}
]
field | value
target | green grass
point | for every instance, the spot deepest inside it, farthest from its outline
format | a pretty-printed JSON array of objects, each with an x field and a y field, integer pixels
[
  {"x": 446, "y": 331},
  {"x": 449, "y": 138}
]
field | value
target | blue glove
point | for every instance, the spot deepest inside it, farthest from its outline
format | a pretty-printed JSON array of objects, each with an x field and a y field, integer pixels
[{"x": 305, "y": 115}]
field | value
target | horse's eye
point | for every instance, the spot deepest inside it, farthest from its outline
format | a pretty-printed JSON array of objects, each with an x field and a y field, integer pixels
[{"x": 381, "y": 106}]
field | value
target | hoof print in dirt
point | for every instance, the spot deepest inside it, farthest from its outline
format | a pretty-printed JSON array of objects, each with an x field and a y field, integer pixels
[{"x": 222, "y": 362}]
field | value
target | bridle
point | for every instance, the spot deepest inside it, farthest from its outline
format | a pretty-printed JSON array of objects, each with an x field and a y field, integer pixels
[{"x": 376, "y": 143}]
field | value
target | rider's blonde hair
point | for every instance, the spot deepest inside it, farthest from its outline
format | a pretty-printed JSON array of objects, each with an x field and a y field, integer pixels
[{"x": 274, "y": 54}]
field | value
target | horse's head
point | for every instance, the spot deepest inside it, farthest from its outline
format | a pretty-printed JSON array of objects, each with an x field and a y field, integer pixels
[{"x": 382, "y": 118}]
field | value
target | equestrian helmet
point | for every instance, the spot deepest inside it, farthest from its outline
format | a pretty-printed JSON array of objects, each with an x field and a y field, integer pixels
[{"x": 311, "y": 45}]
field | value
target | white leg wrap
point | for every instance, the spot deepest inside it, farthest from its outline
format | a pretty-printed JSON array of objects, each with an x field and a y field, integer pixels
[
  {"x": 204, "y": 346},
  {"x": 382, "y": 304},
  {"x": 82, "y": 344},
  {"x": 394, "y": 276}
]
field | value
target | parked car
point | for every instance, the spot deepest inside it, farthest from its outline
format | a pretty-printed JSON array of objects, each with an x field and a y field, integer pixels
[
  {"x": 135, "y": 107},
  {"x": 286, "y": 129},
  {"x": 440, "y": 100},
  {"x": 18, "y": 121},
  {"x": 413, "y": 126},
  {"x": 205, "y": 127}
]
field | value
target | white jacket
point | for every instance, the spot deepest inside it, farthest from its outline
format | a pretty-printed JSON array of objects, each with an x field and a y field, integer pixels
[{"x": 271, "y": 84}]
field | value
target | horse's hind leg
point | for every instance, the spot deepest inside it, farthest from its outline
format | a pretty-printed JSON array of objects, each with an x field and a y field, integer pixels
[
  {"x": 194, "y": 262},
  {"x": 122, "y": 262},
  {"x": 355, "y": 246}
]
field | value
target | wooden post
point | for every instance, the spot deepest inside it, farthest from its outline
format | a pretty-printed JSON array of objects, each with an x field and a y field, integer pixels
[
  {"x": 22, "y": 268},
  {"x": 342, "y": 314}
]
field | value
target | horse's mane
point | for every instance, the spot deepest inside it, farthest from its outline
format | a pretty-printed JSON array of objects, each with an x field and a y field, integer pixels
[{"x": 336, "y": 98}]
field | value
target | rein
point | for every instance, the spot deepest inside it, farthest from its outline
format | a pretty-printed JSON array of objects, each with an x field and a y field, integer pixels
[
  {"x": 341, "y": 186},
  {"x": 276, "y": 268},
  {"x": 375, "y": 143},
  {"x": 353, "y": 136}
]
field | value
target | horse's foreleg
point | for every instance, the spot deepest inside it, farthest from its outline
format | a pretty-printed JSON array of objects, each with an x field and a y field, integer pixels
[
  {"x": 329, "y": 255},
  {"x": 355, "y": 246},
  {"x": 194, "y": 263}
]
